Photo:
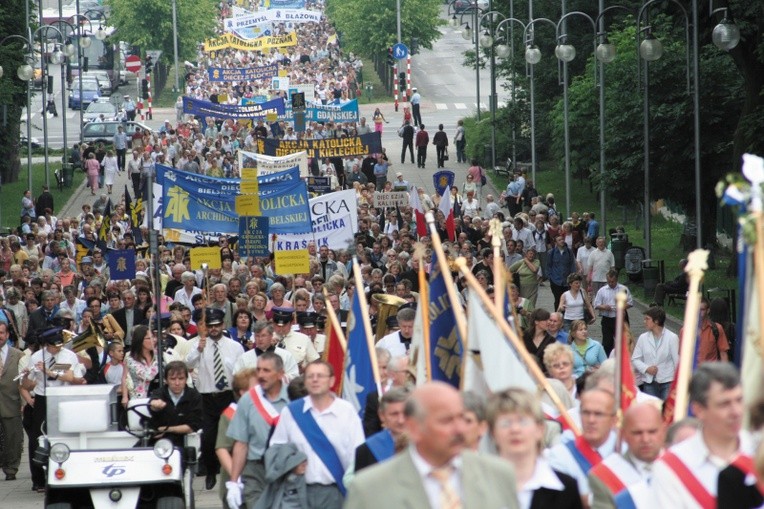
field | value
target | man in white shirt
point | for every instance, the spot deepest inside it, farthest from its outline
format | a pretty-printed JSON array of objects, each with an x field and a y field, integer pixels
[
  {"x": 299, "y": 345},
  {"x": 319, "y": 421},
  {"x": 604, "y": 302},
  {"x": 691, "y": 474},
  {"x": 599, "y": 263},
  {"x": 398, "y": 343},
  {"x": 212, "y": 355}
]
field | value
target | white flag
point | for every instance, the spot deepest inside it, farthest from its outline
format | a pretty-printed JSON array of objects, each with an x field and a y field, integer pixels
[{"x": 502, "y": 367}]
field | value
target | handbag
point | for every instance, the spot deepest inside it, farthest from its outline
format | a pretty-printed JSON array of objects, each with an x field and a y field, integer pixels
[
  {"x": 588, "y": 317},
  {"x": 445, "y": 155}
]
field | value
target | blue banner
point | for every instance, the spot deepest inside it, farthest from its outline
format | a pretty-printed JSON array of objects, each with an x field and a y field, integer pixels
[
  {"x": 243, "y": 73},
  {"x": 209, "y": 204},
  {"x": 122, "y": 264},
  {"x": 362, "y": 145},
  {"x": 445, "y": 344},
  {"x": 443, "y": 179},
  {"x": 286, "y": 4},
  {"x": 249, "y": 111},
  {"x": 359, "y": 374},
  {"x": 333, "y": 112},
  {"x": 253, "y": 236}
]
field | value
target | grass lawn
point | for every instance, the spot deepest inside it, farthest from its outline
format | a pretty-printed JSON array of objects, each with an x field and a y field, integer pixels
[
  {"x": 378, "y": 94},
  {"x": 10, "y": 205},
  {"x": 665, "y": 233}
]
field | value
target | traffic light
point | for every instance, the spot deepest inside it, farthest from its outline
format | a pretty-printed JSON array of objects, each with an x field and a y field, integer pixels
[
  {"x": 402, "y": 81},
  {"x": 84, "y": 64},
  {"x": 148, "y": 64},
  {"x": 50, "y": 84},
  {"x": 390, "y": 57},
  {"x": 144, "y": 88},
  {"x": 414, "y": 45}
]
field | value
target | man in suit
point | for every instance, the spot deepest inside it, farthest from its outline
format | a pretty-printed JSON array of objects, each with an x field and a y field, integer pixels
[
  {"x": 42, "y": 317},
  {"x": 428, "y": 473},
  {"x": 644, "y": 433},
  {"x": 128, "y": 316},
  {"x": 10, "y": 406}
]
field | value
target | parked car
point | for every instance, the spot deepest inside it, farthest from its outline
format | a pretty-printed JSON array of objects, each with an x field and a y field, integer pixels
[
  {"x": 100, "y": 106},
  {"x": 96, "y": 132},
  {"x": 90, "y": 92}
]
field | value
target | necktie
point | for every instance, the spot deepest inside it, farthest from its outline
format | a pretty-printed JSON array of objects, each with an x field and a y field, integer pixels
[
  {"x": 449, "y": 498},
  {"x": 2, "y": 364},
  {"x": 51, "y": 363},
  {"x": 217, "y": 361},
  {"x": 648, "y": 472}
]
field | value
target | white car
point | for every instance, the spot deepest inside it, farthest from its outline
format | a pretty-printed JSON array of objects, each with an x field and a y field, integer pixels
[{"x": 100, "y": 107}]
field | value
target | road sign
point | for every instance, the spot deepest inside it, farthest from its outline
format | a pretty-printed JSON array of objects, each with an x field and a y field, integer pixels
[
  {"x": 133, "y": 63},
  {"x": 154, "y": 54},
  {"x": 400, "y": 51}
]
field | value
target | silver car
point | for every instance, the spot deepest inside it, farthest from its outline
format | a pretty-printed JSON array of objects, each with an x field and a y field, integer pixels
[{"x": 97, "y": 108}]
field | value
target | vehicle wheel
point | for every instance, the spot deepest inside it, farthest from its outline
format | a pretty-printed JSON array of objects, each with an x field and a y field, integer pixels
[
  {"x": 170, "y": 503},
  {"x": 59, "y": 505}
]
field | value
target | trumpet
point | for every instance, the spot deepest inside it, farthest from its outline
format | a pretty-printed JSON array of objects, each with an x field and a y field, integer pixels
[
  {"x": 387, "y": 306},
  {"x": 87, "y": 339}
]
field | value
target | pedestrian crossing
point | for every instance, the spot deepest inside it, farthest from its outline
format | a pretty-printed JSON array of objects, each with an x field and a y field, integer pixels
[{"x": 465, "y": 106}]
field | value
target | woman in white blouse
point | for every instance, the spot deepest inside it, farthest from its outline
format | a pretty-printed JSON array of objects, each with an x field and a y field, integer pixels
[{"x": 656, "y": 354}]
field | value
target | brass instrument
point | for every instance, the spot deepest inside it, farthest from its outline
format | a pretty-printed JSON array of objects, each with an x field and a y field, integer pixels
[
  {"x": 87, "y": 339},
  {"x": 387, "y": 305}
]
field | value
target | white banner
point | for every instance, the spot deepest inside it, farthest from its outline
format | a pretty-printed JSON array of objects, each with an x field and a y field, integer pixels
[
  {"x": 272, "y": 16},
  {"x": 335, "y": 220},
  {"x": 391, "y": 199},
  {"x": 272, "y": 164}
]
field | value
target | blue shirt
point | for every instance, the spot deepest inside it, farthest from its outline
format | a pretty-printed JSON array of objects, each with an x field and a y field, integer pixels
[
  {"x": 593, "y": 229},
  {"x": 380, "y": 169},
  {"x": 562, "y": 337},
  {"x": 559, "y": 265}
]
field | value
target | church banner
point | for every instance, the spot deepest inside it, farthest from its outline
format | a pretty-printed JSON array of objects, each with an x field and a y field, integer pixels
[
  {"x": 269, "y": 164},
  {"x": 243, "y": 73},
  {"x": 226, "y": 41},
  {"x": 335, "y": 147},
  {"x": 272, "y": 16},
  {"x": 335, "y": 220},
  {"x": 209, "y": 204},
  {"x": 258, "y": 111}
]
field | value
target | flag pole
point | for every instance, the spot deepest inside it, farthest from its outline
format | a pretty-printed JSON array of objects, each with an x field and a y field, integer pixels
[
  {"x": 620, "y": 302},
  {"x": 366, "y": 324},
  {"x": 461, "y": 320},
  {"x": 696, "y": 265},
  {"x": 758, "y": 265},
  {"x": 424, "y": 308},
  {"x": 335, "y": 323},
  {"x": 517, "y": 343}
]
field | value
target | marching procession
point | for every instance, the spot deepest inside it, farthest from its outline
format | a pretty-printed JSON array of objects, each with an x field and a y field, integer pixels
[{"x": 337, "y": 336}]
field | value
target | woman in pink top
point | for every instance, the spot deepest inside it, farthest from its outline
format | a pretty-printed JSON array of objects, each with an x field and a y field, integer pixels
[{"x": 92, "y": 167}]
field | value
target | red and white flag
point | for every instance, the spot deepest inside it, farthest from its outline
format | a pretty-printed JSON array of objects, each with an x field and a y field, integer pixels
[
  {"x": 448, "y": 212},
  {"x": 418, "y": 208}
]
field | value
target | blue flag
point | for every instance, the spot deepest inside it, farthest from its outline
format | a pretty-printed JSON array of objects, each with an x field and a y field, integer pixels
[
  {"x": 445, "y": 343},
  {"x": 359, "y": 373},
  {"x": 122, "y": 264}
]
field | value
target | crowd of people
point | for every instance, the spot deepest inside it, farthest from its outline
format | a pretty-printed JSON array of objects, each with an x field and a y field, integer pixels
[{"x": 244, "y": 346}]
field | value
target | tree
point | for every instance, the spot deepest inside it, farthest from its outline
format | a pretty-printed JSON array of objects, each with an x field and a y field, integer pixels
[
  {"x": 12, "y": 90},
  {"x": 148, "y": 24},
  {"x": 369, "y": 27}
]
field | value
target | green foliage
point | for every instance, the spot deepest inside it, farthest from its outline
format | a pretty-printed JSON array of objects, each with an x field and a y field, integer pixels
[
  {"x": 12, "y": 89},
  {"x": 369, "y": 27},
  {"x": 148, "y": 24}
]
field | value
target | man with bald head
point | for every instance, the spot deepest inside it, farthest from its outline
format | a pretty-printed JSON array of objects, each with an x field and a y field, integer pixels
[
  {"x": 624, "y": 478},
  {"x": 435, "y": 471}
]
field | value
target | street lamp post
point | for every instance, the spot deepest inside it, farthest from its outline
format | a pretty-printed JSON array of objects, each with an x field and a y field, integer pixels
[
  {"x": 487, "y": 39},
  {"x": 650, "y": 50},
  {"x": 467, "y": 34},
  {"x": 505, "y": 51},
  {"x": 566, "y": 53},
  {"x": 533, "y": 57},
  {"x": 175, "y": 42}
]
